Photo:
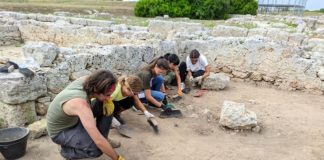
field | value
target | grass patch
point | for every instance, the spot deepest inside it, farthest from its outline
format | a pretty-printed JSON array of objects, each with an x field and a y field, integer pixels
[
  {"x": 73, "y": 6},
  {"x": 291, "y": 25},
  {"x": 313, "y": 13},
  {"x": 209, "y": 23},
  {"x": 245, "y": 25},
  {"x": 121, "y": 12}
]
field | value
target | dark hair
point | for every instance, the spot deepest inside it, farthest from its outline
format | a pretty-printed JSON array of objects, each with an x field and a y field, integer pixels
[
  {"x": 194, "y": 54},
  {"x": 160, "y": 62},
  {"x": 99, "y": 82},
  {"x": 172, "y": 58}
]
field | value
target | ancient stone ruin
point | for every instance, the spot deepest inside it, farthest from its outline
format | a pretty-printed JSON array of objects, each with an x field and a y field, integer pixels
[{"x": 281, "y": 51}]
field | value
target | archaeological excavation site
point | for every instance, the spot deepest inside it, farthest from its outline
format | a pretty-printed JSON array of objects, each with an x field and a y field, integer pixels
[{"x": 263, "y": 98}]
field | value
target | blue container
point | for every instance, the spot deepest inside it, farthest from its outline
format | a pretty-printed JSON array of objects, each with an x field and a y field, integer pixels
[{"x": 13, "y": 142}]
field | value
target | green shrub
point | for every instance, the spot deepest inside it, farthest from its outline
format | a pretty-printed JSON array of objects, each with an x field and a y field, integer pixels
[
  {"x": 243, "y": 7},
  {"x": 322, "y": 10},
  {"x": 209, "y": 9},
  {"x": 152, "y": 8},
  {"x": 196, "y": 9}
]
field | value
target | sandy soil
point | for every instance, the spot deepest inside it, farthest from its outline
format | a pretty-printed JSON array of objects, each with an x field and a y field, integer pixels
[{"x": 292, "y": 129}]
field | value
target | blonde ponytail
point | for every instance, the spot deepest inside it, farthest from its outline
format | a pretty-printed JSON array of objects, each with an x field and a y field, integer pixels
[{"x": 132, "y": 82}]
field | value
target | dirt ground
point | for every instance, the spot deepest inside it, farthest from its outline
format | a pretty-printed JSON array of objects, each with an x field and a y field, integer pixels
[{"x": 292, "y": 129}]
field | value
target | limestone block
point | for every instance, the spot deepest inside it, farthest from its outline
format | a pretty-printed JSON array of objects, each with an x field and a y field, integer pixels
[
  {"x": 43, "y": 52},
  {"x": 316, "y": 44},
  {"x": 229, "y": 31},
  {"x": 66, "y": 51},
  {"x": 99, "y": 23},
  {"x": 19, "y": 114},
  {"x": 57, "y": 79},
  {"x": 320, "y": 32},
  {"x": 240, "y": 74},
  {"x": 76, "y": 75},
  {"x": 78, "y": 21},
  {"x": 256, "y": 76},
  {"x": 3, "y": 123},
  {"x": 15, "y": 88},
  {"x": 46, "y": 18},
  {"x": 42, "y": 105},
  {"x": 226, "y": 70},
  {"x": 216, "y": 81},
  {"x": 257, "y": 32},
  {"x": 235, "y": 116},
  {"x": 296, "y": 39},
  {"x": 78, "y": 62},
  {"x": 278, "y": 34},
  {"x": 37, "y": 129},
  {"x": 9, "y": 34},
  {"x": 320, "y": 73}
]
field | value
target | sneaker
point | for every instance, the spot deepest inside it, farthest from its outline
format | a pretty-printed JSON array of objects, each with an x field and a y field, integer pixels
[
  {"x": 115, "y": 123},
  {"x": 119, "y": 119},
  {"x": 113, "y": 143},
  {"x": 186, "y": 90}
]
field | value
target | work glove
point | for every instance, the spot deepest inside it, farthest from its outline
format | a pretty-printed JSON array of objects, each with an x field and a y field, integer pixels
[
  {"x": 108, "y": 107},
  {"x": 179, "y": 92},
  {"x": 148, "y": 114},
  {"x": 165, "y": 107},
  {"x": 120, "y": 157},
  {"x": 199, "y": 80}
]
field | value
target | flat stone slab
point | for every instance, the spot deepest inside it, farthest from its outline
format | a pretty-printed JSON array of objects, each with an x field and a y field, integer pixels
[{"x": 16, "y": 89}]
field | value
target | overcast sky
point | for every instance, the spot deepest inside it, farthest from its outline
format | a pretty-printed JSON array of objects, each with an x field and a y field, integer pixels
[{"x": 314, "y": 4}]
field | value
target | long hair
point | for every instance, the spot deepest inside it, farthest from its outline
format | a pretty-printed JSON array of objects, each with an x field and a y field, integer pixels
[
  {"x": 160, "y": 62},
  {"x": 133, "y": 82},
  {"x": 99, "y": 82}
]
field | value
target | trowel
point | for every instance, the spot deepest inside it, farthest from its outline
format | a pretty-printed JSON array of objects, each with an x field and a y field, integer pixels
[
  {"x": 124, "y": 131},
  {"x": 153, "y": 123},
  {"x": 171, "y": 114}
]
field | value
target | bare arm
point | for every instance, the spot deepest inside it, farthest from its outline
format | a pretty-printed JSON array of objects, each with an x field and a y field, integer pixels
[
  {"x": 79, "y": 107},
  {"x": 189, "y": 74},
  {"x": 149, "y": 97},
  {"x": 162, "y": 88},
  {"x": 207, "y": 71},
  {"x": 139, "y": 105},
  {"x": 178, "y": 79}
]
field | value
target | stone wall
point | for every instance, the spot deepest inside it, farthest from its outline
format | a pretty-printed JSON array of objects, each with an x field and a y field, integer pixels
[
  {"x": 9, "y": 35},
  {"x": 258, "y": 60},
  {"x": 66, "y": 31}
]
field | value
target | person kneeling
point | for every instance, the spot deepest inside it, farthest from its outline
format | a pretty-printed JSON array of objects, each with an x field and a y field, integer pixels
[
  {"x": 125, "y": 96},
  {"x": 78, "y": 125}
]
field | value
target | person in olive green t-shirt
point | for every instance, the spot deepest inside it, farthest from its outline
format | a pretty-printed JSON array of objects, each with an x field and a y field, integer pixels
[
  {"x": 79, "y": 127},
  {"x": 153, "y": 83}
]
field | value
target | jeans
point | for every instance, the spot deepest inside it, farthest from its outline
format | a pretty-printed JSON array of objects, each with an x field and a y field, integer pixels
[
  {"x": 156, "y": 85},
  {"x": 75, "y": 141}
]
